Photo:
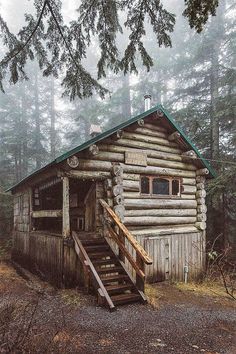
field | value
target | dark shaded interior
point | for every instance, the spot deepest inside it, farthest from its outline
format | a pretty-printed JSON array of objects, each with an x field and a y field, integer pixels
[{"x": 51, "y": 198}]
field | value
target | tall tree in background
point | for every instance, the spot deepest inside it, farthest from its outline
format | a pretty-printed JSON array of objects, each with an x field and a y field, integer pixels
[
  {"x": 52, "y": 120},
  {"x": 66, "y": 45}
]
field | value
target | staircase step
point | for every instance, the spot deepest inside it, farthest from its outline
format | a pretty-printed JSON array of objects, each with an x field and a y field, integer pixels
[
  {"x": 106, "y": 253},
  {"x": 107, "y": 270},
  {"x": 93, "y": 242},
  {"x": 118, "y": 288},
  {"x": 111, "y": 261},
  {"x": 114, "y": 278},
  {"x": 125, "y": 298},
  {"x": 94, "y": 248}
]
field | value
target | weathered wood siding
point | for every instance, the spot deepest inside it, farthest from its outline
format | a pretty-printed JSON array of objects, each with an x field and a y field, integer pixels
[
  {"x": 171, "y": 253},
  {"x": 22, "y": 211},
  {"x": 46, "y": 254}
]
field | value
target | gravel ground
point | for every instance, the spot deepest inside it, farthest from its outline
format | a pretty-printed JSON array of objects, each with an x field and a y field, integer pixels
[{"x": 70, "y": 322}]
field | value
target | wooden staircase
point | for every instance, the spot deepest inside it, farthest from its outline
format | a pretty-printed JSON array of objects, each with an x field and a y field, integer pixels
[
  {"x": 115, "y": 278},
  {"x": 105, "y": 271}
]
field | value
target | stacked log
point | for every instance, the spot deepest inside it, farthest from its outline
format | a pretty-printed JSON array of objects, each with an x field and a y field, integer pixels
[
  {"x": 200, "y": 197},
  {"x": 117, "y": 190},
  {"x": 108, "y": 188}
]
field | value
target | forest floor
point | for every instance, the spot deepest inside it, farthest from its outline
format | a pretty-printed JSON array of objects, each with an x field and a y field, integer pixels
[{"x": 37, "y": 318}]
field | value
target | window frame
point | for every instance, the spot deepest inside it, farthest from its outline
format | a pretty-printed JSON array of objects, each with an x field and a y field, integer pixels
[{"x": 169, "y": 178}]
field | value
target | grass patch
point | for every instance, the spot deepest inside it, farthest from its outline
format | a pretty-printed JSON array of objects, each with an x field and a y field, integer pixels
[
  {"x": 206, "y": 288},
  {"x": 5, "y": 248},
  {"x": 71, "y": 297},
  {"x": 153, "y": 295}
]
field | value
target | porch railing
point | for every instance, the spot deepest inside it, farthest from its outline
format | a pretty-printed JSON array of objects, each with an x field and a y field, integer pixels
[{"x": 119, "y": 233}]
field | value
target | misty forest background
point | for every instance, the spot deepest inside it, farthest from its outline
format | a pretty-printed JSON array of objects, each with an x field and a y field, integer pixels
[{"x": 195, "y": 80}]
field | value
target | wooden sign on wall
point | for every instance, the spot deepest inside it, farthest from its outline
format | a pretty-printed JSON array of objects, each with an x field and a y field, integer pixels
[{"x": 136, "y": 158}]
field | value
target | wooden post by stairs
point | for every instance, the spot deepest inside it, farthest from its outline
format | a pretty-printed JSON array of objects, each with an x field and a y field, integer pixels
[{"x": 140, "y": 280}]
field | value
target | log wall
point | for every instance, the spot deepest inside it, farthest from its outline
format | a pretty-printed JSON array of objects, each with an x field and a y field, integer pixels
[
  {"x": 170, "y": 229},
  {"x": 163, "y": 159},
  {"x": 167, "y": 227}
]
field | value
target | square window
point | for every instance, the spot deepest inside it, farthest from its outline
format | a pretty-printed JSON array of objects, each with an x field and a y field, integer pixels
[{"x": 160, "y": 186}]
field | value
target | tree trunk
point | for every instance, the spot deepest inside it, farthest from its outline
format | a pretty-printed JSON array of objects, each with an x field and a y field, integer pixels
[
  {"x": 52, "y": 121},
  {"x": 38, "y": 158},
  {"x": 126, "y": 101},
  {"x": 217, "y": 28},
  {"x": 25, "y": 157}
]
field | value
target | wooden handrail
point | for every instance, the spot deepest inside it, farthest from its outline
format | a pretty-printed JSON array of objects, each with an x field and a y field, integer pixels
[
  {"x": 138, "y": 248},
  {"x": 80, "y": 250},
  {"x": 115, "y": 237}
]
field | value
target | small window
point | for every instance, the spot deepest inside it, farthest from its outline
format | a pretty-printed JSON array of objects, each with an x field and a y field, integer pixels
[
  {"x": 160, "y": 186},
  {"x": 175, "y": 187},
  {"x": 145, "y": 185}
]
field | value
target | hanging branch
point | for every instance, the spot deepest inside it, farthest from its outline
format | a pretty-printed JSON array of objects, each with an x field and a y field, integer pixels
[
  {"x": 96, "y": 18},
  {"x": 13, "y": 55}
]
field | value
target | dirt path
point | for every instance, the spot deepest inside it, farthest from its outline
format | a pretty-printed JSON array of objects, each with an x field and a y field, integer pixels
[{"x": 70, "y": 322}]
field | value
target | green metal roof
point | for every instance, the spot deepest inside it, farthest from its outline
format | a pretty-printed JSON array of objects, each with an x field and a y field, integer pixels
[{"x": 111, "y": 131}]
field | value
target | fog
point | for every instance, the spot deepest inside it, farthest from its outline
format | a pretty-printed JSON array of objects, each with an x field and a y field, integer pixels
[{"x": 194, "y": 79}]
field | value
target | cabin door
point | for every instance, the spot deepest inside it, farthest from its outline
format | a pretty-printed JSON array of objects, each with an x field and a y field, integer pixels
[{"x": 90, "y": 209}]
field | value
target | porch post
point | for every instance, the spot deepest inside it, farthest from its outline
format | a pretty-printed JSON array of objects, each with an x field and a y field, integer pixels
[{"x": 66, "y": 208}]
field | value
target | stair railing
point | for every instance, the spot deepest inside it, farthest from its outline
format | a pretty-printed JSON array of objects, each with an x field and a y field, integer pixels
[
  {"x": 91, "y": 273},
  {"x": 119, "y": 237}
]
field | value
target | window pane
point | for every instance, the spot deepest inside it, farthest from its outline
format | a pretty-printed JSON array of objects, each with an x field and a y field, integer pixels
[
  {"x": 160, "y": 186},
  {"x": 175, "y": 187},
  {"x": 145, "y": 185}
]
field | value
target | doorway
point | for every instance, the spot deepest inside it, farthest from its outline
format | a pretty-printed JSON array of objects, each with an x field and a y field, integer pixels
[{"x": 82, "y": 205}]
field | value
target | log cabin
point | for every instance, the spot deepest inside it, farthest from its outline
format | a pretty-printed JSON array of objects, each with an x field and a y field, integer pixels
[{"x": 125, "y": 207}]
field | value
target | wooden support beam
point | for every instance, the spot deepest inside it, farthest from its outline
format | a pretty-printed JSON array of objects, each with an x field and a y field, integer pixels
[
  {"x": 201, "y": 217},
  {"x": 201, "y": 193},
  {"x": 117, "y": 135},
  {"x": 118, "y": 200},
  {"x": 66, "y": 208},
  {"x": 174, "y": 136},
  {"x": 201, "y": 225},
  {"x": 162, "y": 220},
  {"x": 119, "y": 209},
  {"x": 117, "y": 170},
  {"x": 108, "y": 184},
  {"x": 188, "y": 156},
  {"x": 140, "y": 280},
  {"x": 202, "y": 172},
  {"x": 84, "y": 175},
  {"x": 200, "y": 179},
  {"x": 141, "y": 122},
  {"x": 93, "y": 150},
  {"x": 47, "y": 214},
  {"x": 202, "y": 208},
  {"x": 159, "y": 114},
  {"x": 117, "y": 190}
]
